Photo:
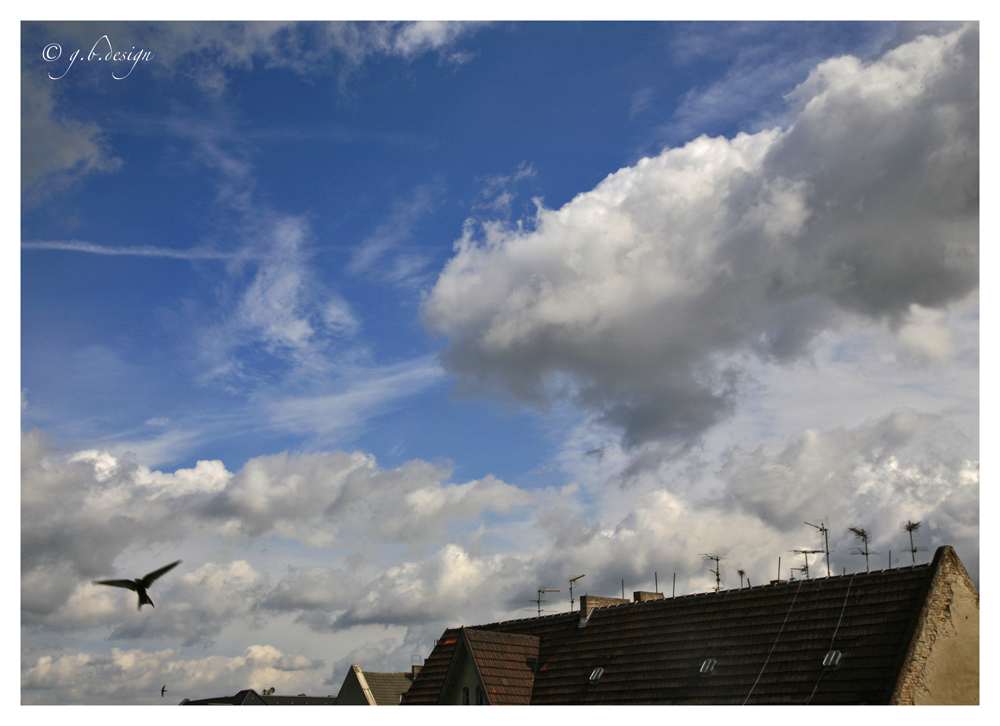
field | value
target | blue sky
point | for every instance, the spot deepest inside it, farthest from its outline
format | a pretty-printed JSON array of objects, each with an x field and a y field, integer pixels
[{"x": 382, "y": 326}]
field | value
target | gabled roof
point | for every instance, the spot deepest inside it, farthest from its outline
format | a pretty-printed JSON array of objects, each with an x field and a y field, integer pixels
[
  {"x": 768, "y": 643},
  {"x": 367, "y": 688},
  {"x": 248, "y": 697},
  {"x": 506, "y": 664},
  {"x": 387, "y": 687},
  {"x": 429, "y": 683}
]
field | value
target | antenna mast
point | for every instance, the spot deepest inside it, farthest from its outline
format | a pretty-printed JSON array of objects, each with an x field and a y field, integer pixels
[
  {"x": 805, "y": 568},
  {"x": 717, "y": 571},
  {"x": 821, "y": 528},
  {"x": 910, "y": 528},
  {"x": 863, "y": 534},
  {"x": 539, "y": 601},
  {"x": 571, "y": 581},
  {"x": 741, "y": 573}
]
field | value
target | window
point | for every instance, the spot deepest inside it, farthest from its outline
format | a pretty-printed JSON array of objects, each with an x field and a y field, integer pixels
[
  {"x": 595, "y": 676},
  {"x": 708, "y": 666},
  {"x": 479, "y": 696},
  {"x": 465, "y": 696},
  {"x": 832, "y": 660}
]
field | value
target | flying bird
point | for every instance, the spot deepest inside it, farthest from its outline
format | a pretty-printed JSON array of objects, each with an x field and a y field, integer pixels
[
  {"x": 140, "y": 584},
  {"x": 164, "y": 689}
]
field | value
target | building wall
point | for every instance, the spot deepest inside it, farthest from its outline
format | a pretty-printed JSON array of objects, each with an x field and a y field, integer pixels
[
  {"x": 463, "y": 676},
  {"x": 352, "y": 693},
  {"x": 943, "y": 663}
]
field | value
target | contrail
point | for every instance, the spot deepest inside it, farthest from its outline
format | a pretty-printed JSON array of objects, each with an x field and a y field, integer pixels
[{"x": 142, "y": 251}]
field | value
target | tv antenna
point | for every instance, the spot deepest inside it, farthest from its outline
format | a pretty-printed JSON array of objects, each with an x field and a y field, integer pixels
[
  {"x": 910, "y": 528},
  {"x": 822, "y": 530},
  {"x": 539, "y": 601},
  {"x": 863, "y": 534},
  {"x": 571, "y": 581},
  {"x": 742, "y": 574},
  {"x": 717, "y": 571},
  {"x": 805, "y": 568}
]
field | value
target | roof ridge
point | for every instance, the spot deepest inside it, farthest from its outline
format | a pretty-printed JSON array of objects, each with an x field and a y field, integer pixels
[
  {"x": 485, "y": 626},
  {"x": 845, "y": 575}
]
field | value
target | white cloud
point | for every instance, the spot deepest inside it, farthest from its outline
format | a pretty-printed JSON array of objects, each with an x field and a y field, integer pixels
[
  {"x": 283, "y": 309},
  {"x": 763, "y": 60},
  {"x": 135, "y": 676},
  {"x": 449, "y": 582},
  {"x": 56, "y": 149},
  {"x": 926, "y": 335},
  {"x": 196, "y": 606},
  {"x": 315, "y": 589},
  {"x": 498, "y": 194},
  {"x": 636, "y": 299},
  {"x": 384, "y": 253},
  {"x": 170, "y": 445},
  {"x": 640, "y": 101},
  {"x": 411, "y": 39},
  {"x": 427, "y": 553},
  {"x": 365, "y": 393},
  {"x": 332, "y": 498},
  {"x": 82, "y": 513},
  {"x": 271, "y": 304},
  {"x": 752, "y": 508}
]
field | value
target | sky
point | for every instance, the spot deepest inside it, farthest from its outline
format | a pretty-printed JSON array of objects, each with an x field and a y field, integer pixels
[{"x": 382, "y": 327}]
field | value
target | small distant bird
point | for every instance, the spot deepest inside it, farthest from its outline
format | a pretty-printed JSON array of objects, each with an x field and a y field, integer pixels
[
  {"x": 164, "y": 689},
  {"x": 140, "y": 584}
]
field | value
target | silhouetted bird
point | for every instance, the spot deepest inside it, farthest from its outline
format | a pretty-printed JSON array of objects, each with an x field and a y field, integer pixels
[
  {"x": 140, "y": 584},
  {"x": 164, "y": 689}
]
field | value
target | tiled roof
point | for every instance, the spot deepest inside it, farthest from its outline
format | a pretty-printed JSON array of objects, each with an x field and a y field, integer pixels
[
  {"x": 768, "y": 643},
  {"x": 277, "y": 700},
  {"x": 506, "y": 664},
  {"x": 250, "y": 697},
  {"x": 426, "y": 687},
  {"x": 386, "y": 687}
]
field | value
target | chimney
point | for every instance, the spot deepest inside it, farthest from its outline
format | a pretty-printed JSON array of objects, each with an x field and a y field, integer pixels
[
  {"x": 414, "y": 670},
  {"x": 643, "y": 596},
  {"x": 589, "y": 602}
]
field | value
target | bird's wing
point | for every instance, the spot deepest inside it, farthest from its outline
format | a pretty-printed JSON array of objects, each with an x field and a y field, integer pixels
[
  {"x": 116, "y": 583},
  {"x": 148, "y": 579}
]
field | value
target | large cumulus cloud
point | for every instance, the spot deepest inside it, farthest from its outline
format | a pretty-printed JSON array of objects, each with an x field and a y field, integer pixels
[
  {"x": 636, "y": 299},
  {"x": 751, "y": 507},
  {"x": 83, "y": 513}
]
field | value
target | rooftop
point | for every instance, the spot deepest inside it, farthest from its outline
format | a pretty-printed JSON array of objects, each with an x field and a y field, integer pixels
[{"x": 768, "y": 643}]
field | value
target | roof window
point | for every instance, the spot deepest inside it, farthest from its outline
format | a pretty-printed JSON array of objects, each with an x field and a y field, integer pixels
[
  {"x": 831, "y": 661},
  {"x": 708, "y": 666},
  {"x": 595, "y": 675}
]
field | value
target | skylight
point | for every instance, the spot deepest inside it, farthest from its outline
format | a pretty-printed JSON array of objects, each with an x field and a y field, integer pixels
[
  {"x": 832, "y": 659},
  {"x": 708, "y": 666},
  {"x": 595, "y": 676}
]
